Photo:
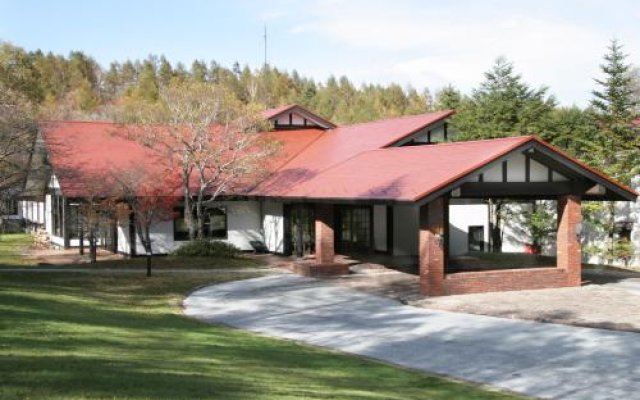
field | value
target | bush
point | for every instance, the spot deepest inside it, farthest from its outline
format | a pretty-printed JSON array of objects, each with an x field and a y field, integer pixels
[{"x": 207, "y": 248}]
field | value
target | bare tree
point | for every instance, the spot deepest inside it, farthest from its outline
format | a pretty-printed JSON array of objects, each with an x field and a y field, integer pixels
[
  {"x": 17, "y": 139},
  {"x": 210, "y": 137},
  {"x": 150, "y": 196}
]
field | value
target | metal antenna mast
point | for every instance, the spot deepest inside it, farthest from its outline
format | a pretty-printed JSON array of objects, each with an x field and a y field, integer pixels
[{"x": 265, "y": 46}]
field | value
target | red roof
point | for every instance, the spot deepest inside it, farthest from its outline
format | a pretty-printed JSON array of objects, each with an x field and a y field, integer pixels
[
  {"x": 636, "y": 122},
  {"x": 337, "y": 145},
  {"x": 351, "y": 162},
  {"x": 84, "y": 155},
  {"x": 402, "y": 173}
]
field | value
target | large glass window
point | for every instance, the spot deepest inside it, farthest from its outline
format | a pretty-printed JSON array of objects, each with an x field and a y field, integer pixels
[
  {"x": 215, "y": 224},
  {"x": 355, "y": 229}
]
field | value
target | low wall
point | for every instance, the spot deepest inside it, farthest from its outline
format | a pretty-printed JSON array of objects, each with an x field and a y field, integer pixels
[{"x": 505, "y": 280}]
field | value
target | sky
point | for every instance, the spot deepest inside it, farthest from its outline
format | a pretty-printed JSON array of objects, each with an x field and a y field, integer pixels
[{"x": 558, "y": 44}]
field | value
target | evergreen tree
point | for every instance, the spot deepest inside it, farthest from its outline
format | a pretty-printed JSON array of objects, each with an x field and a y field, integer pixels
[
  {"x": 614, "y": 109},
  {"x": 504, "y": 105}
]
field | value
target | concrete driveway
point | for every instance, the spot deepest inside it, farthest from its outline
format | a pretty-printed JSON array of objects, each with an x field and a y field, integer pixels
[{"x": 543, "y": 360}]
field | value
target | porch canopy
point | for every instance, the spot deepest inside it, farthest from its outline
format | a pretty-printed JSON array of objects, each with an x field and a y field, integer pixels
[{"x": 429, "y": 176}]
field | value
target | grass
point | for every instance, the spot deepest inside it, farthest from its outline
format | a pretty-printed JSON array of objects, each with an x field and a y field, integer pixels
[
  {"x": 69, "y": 335},
  {"x": 12, "y": 245}
]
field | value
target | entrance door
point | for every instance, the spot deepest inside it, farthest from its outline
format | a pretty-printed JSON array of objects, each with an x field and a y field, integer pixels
[
  {"x": 355, "y": 230},
  {"x": 300, "y": 235}
]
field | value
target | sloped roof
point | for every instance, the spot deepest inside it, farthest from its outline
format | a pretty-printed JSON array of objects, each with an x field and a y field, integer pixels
[
  {"x": 85, "y": 156},
  {"x": 337, "y": 145},
  {"x": 401, "y": 173},
  {"x": 410, "y": 174}
]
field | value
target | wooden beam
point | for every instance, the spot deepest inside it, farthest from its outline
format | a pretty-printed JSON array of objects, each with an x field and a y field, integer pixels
[{"x": 521, "y": 189}]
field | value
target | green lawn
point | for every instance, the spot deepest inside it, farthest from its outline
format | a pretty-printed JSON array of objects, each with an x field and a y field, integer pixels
[
  {"x": 121, "y": 335},
  {"x": 11, "y": 245}
]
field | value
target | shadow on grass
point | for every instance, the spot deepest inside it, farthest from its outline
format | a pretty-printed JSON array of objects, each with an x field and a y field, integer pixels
[{"x": 113, "y": 335}]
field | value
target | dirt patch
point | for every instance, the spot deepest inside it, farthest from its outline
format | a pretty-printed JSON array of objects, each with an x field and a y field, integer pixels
[
  {"x": 597, "y": 306},
  {"x": 49, "y": 256}
]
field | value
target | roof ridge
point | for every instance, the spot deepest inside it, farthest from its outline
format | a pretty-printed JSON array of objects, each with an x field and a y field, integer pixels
[
  {"x": 444, "y": 112},
  {"x": 523, "y": 138}
]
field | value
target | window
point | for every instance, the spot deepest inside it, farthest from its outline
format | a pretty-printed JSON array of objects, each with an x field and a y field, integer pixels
[
  {"x": 57, "y": 214},
  {"x": 476, "y": 238},
  {"x": 355, "y": 229},
  {"x": 215, "y": 224}
]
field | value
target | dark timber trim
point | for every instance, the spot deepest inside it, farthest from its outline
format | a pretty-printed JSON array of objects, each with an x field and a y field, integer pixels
[
  {"x": 505, "y": 171},
  {"x": 389, "y": 229},
  {"x": 524, "y": 190},
  {"x": 527, "y": 168}
]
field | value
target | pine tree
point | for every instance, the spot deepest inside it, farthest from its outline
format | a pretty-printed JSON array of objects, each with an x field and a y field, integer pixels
[
  {"x": 504, "y": 105},
  {"x": 614, "y": 109}
]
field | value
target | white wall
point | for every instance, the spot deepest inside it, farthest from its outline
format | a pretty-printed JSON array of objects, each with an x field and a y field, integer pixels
[
  {"x": 405, "y": 230},
  {"x": 243, "y": 226},
  {"x": 273, "y": 226},
  {"x": 463, "y": 214},
  {"x": 48, "y": 216},
  {"x": 380, "y": 228},
  {"x": 422, "y": 136}
]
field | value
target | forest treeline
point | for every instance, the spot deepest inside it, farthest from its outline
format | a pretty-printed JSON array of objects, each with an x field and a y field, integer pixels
[{"x": 75, "y": 86}]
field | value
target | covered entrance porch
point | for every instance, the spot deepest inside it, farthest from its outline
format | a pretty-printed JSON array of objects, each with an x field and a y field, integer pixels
[{"x": 529, "y": 170}]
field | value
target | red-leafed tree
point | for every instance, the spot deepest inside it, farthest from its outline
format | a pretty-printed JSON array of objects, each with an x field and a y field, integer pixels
[{"x": 150, "y": 195}]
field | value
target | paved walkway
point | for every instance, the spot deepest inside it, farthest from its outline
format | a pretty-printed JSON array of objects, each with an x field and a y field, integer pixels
[{"x": 544, "y": 360}]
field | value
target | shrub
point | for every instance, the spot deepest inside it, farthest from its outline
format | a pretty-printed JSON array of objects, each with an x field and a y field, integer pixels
[{"x": 207, "y": 248}]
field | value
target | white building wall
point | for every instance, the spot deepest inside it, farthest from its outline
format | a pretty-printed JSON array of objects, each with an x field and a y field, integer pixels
[
  {"x": 124, "y": 245},
  {"x": 463, "y": 214},
  {"x": 243, "y": 226},
  {"x": 405, "y": 230},
  {"x": 273, "y": 226},
  {"x": 48, "y": 217}
]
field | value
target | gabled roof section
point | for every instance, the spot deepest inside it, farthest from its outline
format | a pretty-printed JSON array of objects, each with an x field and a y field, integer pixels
[
  {"x": 86, "y": 156},
  {"x": 337, "y": 145},
  {"x": 416, "y": 174},
  {"x": 273, "y": 114}
]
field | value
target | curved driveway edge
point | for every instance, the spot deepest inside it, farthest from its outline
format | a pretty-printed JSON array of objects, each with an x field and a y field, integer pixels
[{"x": 542, "y": 360}]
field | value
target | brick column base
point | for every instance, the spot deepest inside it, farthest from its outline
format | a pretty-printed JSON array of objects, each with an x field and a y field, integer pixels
[
  {"x": 568, "y": 243},
  {"x": 431, "y": 248},
  {"x": 325, "y": 252}
]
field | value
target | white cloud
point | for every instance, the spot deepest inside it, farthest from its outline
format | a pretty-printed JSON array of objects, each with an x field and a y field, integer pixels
[{"x": 435, "y": 45}]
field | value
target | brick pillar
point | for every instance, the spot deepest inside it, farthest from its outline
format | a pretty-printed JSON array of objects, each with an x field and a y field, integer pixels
[
  {"x": 324, "y": 234},
  {"x": 568, "y": 243},
  {"x": 432, "y": 257}
]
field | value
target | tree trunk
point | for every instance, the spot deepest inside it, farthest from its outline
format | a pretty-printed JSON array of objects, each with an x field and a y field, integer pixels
[
  {"x": 81, "y": 240},
  {"x": 188, "y": 208},
  {"x": 93, "y": 248},
  {"x": 200, "y": 216}
]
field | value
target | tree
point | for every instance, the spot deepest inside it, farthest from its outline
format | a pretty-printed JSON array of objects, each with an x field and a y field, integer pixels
[
  {"x": 17, "y": 138},
  {"x": 614, "y": 108},
  {"x": 149, "y": 195},
  {"x": 617, "y": 147},
  {"x": 448, "y": 98},
  {"x": 211, "y": 138},
  {"x": 504, "y": 105}
]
